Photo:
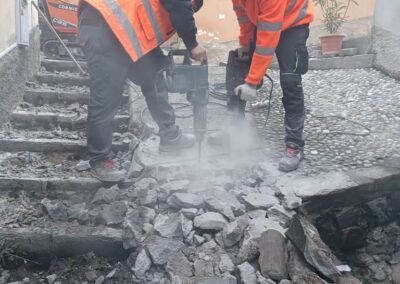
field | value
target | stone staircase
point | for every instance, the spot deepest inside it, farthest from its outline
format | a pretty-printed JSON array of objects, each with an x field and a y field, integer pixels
[{"x": 43, "y": 155}]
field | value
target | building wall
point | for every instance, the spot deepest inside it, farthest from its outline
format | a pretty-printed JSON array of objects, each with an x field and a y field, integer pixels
[
  {"x": 7, "y": 26},
  {"x": 217, "y": 20},
  {"x": 386, "y": 37},
  {"x": 17, "y": 63}
]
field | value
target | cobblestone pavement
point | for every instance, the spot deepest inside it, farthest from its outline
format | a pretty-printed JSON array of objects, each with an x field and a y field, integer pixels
[{"x": 353, "y": 119}]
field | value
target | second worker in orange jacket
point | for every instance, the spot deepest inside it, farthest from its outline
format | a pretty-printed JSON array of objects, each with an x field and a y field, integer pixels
[{"x": 280, "y": 27}]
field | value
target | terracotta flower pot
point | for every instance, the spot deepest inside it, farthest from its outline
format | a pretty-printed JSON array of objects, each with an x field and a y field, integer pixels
[{"x": 331, "y": 44}]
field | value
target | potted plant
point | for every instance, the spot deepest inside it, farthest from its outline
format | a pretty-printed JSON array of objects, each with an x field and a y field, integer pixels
[{"x": 334, "y": 14}]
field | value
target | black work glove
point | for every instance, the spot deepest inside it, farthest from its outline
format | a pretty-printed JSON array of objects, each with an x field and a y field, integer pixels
[{"x": 197, "y": 4}]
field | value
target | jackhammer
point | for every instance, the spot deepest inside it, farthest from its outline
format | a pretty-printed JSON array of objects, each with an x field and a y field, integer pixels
[
  {"x": 192, "y": 80},
  {"x": 236, "y": 72}
]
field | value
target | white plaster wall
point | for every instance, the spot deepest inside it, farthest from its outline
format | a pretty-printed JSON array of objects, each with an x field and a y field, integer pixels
[
  {"x": 8, "y": 22},
  {"x": 387, "y": 15},
  {"x": 386, "y": 36}
]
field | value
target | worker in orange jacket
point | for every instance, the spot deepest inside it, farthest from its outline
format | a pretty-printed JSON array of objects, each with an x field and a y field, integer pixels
[
  {"x": 280, "y": 27},
  {"x": 121, "y": 40}
]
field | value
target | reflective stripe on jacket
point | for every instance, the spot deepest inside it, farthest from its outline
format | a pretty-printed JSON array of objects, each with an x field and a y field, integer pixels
[
  {"x": 139, "y": 25},
  {"x": 270, "y": 17}
]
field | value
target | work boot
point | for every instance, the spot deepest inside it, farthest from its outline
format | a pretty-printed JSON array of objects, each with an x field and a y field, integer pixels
[
  {"x": 108, "y": 171},
  {"x": 181, "y": 141},
  {"x": 291, "y": 158}
]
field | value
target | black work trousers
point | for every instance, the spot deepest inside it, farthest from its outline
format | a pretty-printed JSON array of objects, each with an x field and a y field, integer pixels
[
  {"x": 293, "y": 59},
  {"x": 109, "y": 66}
]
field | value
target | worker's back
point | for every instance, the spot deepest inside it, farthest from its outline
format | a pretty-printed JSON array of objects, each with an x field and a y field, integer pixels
[{"x": 140, "y": 26}]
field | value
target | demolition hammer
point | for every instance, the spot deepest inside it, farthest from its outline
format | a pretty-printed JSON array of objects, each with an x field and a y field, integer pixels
[{"x": 192, "y": 80}]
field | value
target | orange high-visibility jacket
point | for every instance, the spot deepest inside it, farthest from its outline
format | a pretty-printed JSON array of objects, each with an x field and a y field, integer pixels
[
  {"x": 270, "y": 17},
  {"x": 140, "y": 26}
]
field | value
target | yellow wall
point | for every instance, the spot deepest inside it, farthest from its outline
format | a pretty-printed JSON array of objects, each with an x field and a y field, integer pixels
[
  {"x": 217, "y": 21},
  {"x": 8, "y": 23}
]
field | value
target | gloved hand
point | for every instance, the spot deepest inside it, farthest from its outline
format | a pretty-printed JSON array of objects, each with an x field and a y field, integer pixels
[
  {"x": 246, "y": 92},
  {"x": 243, "y": 52}
]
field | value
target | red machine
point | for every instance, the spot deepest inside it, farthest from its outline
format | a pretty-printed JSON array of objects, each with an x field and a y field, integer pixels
[{"x": 63, "y": 16}]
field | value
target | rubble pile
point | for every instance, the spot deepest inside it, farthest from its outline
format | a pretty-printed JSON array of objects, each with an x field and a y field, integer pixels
[{"x": 224, "y": 230}]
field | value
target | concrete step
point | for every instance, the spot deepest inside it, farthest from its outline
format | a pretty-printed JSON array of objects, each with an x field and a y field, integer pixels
[
  {"x": 32, "y": 119},
  {"x": 52, "y": 65},
  {"x": 65, "y": 240},
  {"x": 345, "y": 62},
  {"x": 317, "y": 53},
  {"x": 54, "y": 186},
  {"x": 41, "y": 96},
  {"x": 49, "y": 145},
  {"x": 64, "y": 78}
]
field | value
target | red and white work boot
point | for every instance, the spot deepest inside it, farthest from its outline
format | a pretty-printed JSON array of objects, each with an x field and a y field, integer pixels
[
  {"x": 108, "y": 171},
  {"x": 291, "y": 158}
]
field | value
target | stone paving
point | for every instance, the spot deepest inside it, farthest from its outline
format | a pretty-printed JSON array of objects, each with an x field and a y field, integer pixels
[{"x": 353, "y": 119}]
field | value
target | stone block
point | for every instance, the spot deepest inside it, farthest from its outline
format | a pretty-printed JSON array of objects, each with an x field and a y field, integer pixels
[
  {"x": 272, "y": 258},
  {"x": 306, "y": 238}
]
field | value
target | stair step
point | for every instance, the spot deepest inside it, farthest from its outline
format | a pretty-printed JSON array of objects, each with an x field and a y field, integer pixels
[
  {"x": 46, "y": 185},
  {"x": 52, "y": 65},
  {"x": 66, "y": 239},
  {"x": 41, "y": 96},
  {"x": 345, "y": 62},
  {"x": 49, "y": 120},
  {"x": 50, "y": 145},
  {"x": 62, "y": 78}
]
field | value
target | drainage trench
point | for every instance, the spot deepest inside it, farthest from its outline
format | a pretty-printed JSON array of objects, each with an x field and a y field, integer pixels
[{"x": 361, "y": 226}]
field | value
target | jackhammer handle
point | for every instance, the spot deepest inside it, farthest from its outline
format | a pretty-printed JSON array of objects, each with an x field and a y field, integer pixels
[{"x": 180, "y": 52}]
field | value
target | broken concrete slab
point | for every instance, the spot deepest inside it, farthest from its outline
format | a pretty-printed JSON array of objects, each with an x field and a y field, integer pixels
[
  {"x": 160, "y": 249},
  {"x": 249, "y": 248},
  {"x": 142, "y": 264},
  {"x": 306, "y": 238},
  {"x": 79, "y": 212},
  {"x": 247, "y": 273},
  {"x": 179, "y": 265},
  {"x": 272, "y": 258},
  {"x": 304, "y": 187},
  {"x": 233, "y": 232},
  {"x": 210, "y": 221},
  {"x": 296, "y": 265},
  {"x": 106, "y": 195},
  {"x": 185, "y": 200},
  {"x": 259, "y": 201},
  {"x": 56, "y": 209},
  {"x": 112, "y": 214},
  {"x": 364, "y": 183},
  {"x": 223, "y": 202},
  {"x": 169, "y": 226},
  {"x": 226, "y": 264}
]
